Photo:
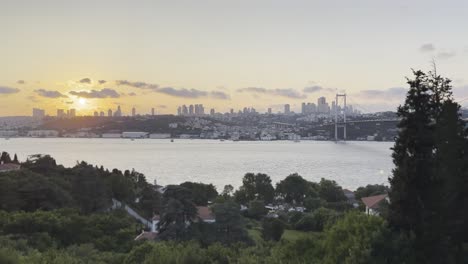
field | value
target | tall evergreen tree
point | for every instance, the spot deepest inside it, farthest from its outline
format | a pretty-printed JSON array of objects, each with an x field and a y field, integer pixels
[{"x": 427, "y": 167}]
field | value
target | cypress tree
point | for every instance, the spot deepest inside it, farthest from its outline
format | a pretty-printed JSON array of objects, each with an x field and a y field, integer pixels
[{"x": 427, "y": 167}]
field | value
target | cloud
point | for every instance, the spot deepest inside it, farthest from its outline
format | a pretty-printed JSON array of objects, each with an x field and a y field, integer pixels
[
  {"x": 104, "y": 93},
  {"x": 85, "y": 80},
  {"x": 49, "y": 94},
  {"x": 132, "y": 94},
  {"x": 102, "y": 81},
  {"x": 317, "y": 88},
  {"x": 32, "y": 98},
  {"x": 20, "y": 82},
  {"x": 445, "y": 55},
  {"x": 8, "y": 90},
  {"x": 140, "y": 85},
  {"x": 220, "y": 95},
  {"x": 286, "y": 92},
  {"x": 394, "y": 93},
  {"x": 176, "y": 92},
  {"x": 427, "y": 47},
  {"x": 161, "y": 106},
  {"x": 182, "y": 92},
  {"x": 69, "y": 102}
]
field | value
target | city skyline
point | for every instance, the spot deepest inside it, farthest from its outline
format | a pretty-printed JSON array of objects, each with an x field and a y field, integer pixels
[{"x": 94, "y": 56}]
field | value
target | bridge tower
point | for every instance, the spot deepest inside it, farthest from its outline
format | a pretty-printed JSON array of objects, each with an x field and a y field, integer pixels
[{"x": 339, "y": 114}]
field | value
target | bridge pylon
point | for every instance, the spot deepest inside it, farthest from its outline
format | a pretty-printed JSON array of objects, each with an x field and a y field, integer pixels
[{"x": 340, "y": 114}]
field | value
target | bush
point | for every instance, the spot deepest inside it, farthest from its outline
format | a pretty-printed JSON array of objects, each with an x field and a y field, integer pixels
[{"x": 272, "y": 229}]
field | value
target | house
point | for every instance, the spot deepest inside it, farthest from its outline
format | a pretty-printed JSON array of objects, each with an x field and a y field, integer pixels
[
  {"x": 373, "y": 203},
  {"x": 9, "y": 167},
  {"x": 205, "y": 214}
]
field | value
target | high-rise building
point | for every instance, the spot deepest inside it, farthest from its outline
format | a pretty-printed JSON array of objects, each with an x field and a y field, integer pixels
[
  {"x": 102, "y": 114},
  {"x": 287, "y": 109},
  {"x": 269, "y": 110},
  {"x": 212, "y": 111},
  {"x": 133, "y": 111},
  {"x": 38, "y": 113},
  {"x": 304, "y": 108},
  {"x": 184, "y": 110},
  {"x": 191, "y": 109},
  {"x": 152, "y": 111},
  {"x": 322, "y": 106},
  {"x": 109, "y": 113},
  {"x": 96, "y": 113},
  {"x": 61, "y": 113},
  {"x": 72, "y": 113},
  {"x": 118, "y": 112}
]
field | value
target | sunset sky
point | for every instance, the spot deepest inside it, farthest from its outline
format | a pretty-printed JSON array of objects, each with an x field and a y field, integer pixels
[{"x": 223, "y": 54}]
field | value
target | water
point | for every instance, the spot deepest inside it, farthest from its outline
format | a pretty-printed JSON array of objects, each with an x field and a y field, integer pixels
[{"x": 351, "y": 164}]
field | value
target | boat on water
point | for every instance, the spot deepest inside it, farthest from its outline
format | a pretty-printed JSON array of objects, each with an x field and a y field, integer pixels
[{"x": 172, "y": 140}]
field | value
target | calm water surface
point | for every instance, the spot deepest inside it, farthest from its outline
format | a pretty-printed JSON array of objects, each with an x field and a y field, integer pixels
[{"x": 351, "y": 164}]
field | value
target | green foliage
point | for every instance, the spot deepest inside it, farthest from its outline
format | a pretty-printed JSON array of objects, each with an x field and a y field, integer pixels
[
  {"x": 350, "y": 239},
  {"x": 272, "y": 229},
  {"x": 178, "y": 210},
  {"x": 257, "y": 209},
  {"x": 201, "y": 193},
  {"x": 330, "y": 191},
  {"x": 294, "y": 189},
  {"x": 62, "y": 228},
  {"x": 230, "y": 227},
  {"x": 255, "y": 187},
  {"x": 427, "y": 186},
  {"x": 317, "y": 220}
]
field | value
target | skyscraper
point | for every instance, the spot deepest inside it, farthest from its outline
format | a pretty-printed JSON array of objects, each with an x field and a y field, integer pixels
[
  {"x": 109, "y": 113},
  {"x": 191, "y": 109},
  {"x": 72, "y": 113},
  {"x": 287, "y": 109},
  {"x": 61, "y": 113},
  {"x": 152, "y": 111},
  {"x": 269, "y": 110},
  {"x": 133, "y": 111},
  {"x": 38, "y": 113}
]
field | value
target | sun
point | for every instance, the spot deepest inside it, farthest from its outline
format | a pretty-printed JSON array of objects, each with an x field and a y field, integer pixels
[{"x": 82, "y": 101}]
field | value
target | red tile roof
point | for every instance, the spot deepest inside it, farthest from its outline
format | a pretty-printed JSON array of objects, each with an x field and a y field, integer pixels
[
  {"x": 205, "y": 213},
  {"x": 373, "y": 201}
]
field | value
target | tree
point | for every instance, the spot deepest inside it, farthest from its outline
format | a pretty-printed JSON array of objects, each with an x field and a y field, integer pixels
[
  {"x": 5, "y": 158},
  {"x": 330, "y": 191},
  {"x": 227, "y": 191},
  {"x": 423, "y": 168},
  {"x": 255, "y": 186},
  {"x": 89, "y": 190},
  {"x": 295, "y": 189},
  {"x": 178, "y": 211},
  {"x": 229, "y": 224},
  {"x": 272, "y": 229},
  {"x": 350, "y": 240},
  {"x": 201, "y": 193},
  {"x": 15, "y": 159},
  {"x": 257, "y": 209}
]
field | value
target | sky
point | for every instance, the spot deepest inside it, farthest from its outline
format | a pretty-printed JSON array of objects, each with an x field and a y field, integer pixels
[{"x": 95, "y": 55}]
